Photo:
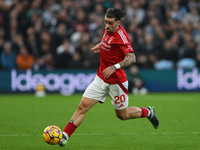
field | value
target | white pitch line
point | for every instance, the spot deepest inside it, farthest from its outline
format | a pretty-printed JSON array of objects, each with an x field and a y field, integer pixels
[
  {"x": 16, "y": 135},
  {"x": 165, "y": 133},
  {"x": 97, "y": 134}
]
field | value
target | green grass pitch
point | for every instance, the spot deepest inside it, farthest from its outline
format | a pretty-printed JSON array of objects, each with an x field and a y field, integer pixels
[{"x": 24, "y": 117}]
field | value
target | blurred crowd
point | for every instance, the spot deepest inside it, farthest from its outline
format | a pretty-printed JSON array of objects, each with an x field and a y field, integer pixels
[{"x": 58, "y": 34}]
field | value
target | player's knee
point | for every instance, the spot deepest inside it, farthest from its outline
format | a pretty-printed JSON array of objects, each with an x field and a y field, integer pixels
[
  {"x": 121, "y": 117},
  {"x": 81, "y": 107}
]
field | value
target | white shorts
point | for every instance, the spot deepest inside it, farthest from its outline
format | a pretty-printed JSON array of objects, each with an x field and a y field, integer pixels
[{"x": 99, "y": 90}]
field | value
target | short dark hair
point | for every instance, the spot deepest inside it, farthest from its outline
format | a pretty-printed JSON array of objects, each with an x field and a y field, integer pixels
[{"x": 115, "y": 13}]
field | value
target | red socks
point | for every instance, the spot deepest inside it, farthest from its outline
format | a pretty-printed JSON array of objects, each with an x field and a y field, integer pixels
[
  {"x": 145, "y": 112},
  {"x": 70, "y": 128}
]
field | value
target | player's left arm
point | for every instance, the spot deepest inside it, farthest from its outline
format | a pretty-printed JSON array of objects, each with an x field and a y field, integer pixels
[{"x": 128, "y": 60}]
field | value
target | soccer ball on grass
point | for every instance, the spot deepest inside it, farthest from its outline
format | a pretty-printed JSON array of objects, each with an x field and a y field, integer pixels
[{"x": 52, "y": 134}]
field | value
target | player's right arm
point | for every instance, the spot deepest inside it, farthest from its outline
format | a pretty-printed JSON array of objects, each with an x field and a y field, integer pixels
[{"x": 96, "y": 48}]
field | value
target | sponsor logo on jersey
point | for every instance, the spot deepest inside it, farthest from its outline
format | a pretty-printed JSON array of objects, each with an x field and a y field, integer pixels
[{"x": 105, "y": 46}]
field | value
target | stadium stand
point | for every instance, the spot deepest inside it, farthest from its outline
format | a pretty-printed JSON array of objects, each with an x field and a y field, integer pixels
[{"x": 60, "y": 33}]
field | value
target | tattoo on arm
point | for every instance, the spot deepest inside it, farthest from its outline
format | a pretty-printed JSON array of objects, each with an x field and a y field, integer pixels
[{"x": 128, "y": 60}]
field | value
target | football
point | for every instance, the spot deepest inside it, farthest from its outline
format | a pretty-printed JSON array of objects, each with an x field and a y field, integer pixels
[{"x": 52, "y": 134}]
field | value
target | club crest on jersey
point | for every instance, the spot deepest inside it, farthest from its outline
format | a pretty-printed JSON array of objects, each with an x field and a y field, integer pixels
[
  {"x": 110, "y": 40},
  {"x": 106, "y": 37}
]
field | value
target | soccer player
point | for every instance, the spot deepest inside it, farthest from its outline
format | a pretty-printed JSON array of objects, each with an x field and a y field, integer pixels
[{"x": 116, "y": 53}]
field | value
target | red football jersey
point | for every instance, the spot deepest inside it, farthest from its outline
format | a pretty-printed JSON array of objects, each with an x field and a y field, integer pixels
[{"x": 114, "y": 47}]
